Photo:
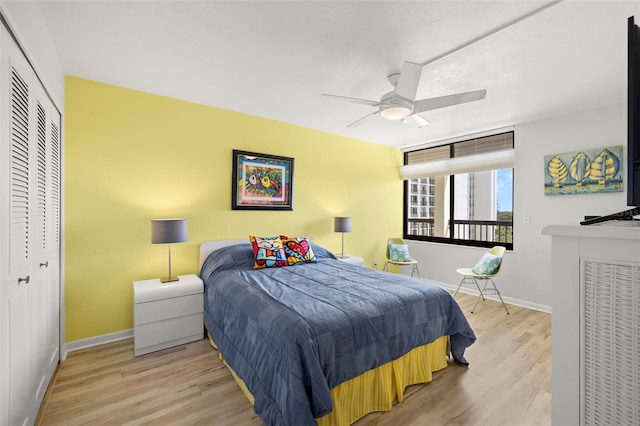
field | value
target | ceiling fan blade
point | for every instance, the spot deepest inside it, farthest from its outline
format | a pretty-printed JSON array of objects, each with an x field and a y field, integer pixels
[
  {"x": 416, "y": 121},
  {"x": 448, "y": 100},
  {"x": 348, "y": 99},
  {"x": 408, "y": 82},
  {"x": 361, "y": 120}
]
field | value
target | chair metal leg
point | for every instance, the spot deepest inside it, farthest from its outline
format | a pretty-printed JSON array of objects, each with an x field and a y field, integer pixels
[
  {"x": 500, "y": 296},
  {"x": 481, "y": 293},
  {"x": 415, "y": 269},
  {"x": 495, "y": 288},
  {"x": 475, "y": 304},
  {"x": 482, "y": 290},
  {"x": 478, "y": 285},
  {"x": 459, "y": 285},
  {"x": 465, "y": 278}
]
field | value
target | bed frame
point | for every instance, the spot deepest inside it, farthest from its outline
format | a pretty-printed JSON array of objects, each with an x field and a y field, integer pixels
[{"x": 208, "y": 246}]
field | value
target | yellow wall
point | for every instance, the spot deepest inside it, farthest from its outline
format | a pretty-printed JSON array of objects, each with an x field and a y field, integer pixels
[{"x": 132, "y": 156}]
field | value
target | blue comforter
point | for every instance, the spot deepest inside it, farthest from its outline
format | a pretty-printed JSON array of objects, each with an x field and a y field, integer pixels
[{"x": 293, "y": 333}]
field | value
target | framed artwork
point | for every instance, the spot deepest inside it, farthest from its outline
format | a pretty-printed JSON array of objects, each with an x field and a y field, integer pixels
[
  {"x": 261, "y": 182},
  {"x": 584, "y": 172}
]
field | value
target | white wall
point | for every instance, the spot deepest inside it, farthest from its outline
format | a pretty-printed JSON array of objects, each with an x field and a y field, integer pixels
[
  {"x": 27, "y": 23},
  {"x": 525, "y": 277}
]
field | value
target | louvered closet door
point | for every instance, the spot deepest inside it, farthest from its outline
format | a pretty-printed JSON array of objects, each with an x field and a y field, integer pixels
[
  {"x": 45, "y": 334},
  {"x": 17, "y": 204},
  {"x": 52, "y": 254},
  {"x": 29, "y": 298}
]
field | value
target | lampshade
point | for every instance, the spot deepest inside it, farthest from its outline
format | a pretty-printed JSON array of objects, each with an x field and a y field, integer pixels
[
  {"x": 165, "y": 231},
  {"x": 342, "y": 224}
]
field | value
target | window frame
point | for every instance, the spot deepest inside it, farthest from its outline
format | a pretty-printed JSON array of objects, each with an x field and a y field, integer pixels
[{"x": 451, "y": 224}]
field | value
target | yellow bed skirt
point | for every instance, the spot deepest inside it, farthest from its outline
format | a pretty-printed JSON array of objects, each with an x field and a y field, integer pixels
[{"x": 377, "y": 389}]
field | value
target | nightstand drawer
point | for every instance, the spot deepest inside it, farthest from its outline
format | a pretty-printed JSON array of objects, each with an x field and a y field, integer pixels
[
  {"x": 169, "y": 332},
  {"x": 354, "y": 260},
  {"x": 154, "y": 290},
  {"x": 167, "y": 308}
]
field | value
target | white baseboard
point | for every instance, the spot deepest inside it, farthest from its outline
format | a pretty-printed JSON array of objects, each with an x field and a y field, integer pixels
[
  {"x": 95, "y": 341},
  {"x": 126, "y": 334},
  {"x": 509, "y": 300}
]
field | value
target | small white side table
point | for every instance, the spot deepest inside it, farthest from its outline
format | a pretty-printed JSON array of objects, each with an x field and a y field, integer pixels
[
  {"x": 354, "y": 260},
  {"x": 167, "y": 314}
]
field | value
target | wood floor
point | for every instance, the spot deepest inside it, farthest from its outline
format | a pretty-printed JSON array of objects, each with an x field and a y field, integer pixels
[{"x": 508, "y": 382}]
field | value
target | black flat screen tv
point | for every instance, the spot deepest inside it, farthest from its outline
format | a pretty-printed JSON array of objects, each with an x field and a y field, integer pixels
[
  {"x": 633, "y": 115},
  {"x": 633, "y": 129}
]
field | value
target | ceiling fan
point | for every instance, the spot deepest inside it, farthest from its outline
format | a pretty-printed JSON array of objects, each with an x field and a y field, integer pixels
[{"x": 400, "y": 103}]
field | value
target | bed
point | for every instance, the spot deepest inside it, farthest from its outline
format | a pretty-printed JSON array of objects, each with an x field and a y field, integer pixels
[{"x": 325, "y": 342}]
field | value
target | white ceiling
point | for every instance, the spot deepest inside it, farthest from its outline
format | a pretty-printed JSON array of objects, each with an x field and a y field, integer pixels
[{"x": 273, "y": 59}]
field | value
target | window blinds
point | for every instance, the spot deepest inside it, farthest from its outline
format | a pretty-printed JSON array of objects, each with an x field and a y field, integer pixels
[{"x": 473, "y": 155}]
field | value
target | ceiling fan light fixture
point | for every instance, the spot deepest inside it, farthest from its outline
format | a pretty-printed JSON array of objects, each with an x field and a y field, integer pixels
[{"x": 396, "y": 113}]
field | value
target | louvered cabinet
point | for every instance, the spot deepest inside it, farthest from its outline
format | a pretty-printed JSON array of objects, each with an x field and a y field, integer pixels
[
  {"x": 30, "y": 245},
  {"x": 595, "y": 325}
]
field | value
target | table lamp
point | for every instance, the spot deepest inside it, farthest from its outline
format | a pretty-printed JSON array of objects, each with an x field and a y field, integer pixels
[
  {"x": 342, "y": 224},
  {"x": 168, "y": 231}
]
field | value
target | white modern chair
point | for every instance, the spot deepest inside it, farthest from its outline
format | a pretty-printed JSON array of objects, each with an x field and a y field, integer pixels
[
  {"x": 404, "y": 260},
  {"x": 485, "y": 270}
]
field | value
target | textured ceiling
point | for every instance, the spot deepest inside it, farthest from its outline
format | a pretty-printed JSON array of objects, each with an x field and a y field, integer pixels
[{"x": 273, "y": 59}]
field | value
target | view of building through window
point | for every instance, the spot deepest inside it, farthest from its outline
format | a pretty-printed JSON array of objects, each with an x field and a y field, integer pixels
[{"x": 467, "y": 207}]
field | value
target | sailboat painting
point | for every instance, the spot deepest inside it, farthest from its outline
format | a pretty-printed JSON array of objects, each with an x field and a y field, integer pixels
[{"x": 584, "y": 172}]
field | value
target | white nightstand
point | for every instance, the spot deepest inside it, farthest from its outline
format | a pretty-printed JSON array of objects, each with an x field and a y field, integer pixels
[
  {"x": 354, "y": 260},
  {"x": 167, "y": 314}
]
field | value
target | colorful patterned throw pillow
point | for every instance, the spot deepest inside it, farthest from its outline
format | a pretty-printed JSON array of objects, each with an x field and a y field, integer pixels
[
  {"x": 488, "y": 265},
  {"x": 298, "y": 250},
  {"x": 268, "y": 252},
  {"x": 399, "y": 253}
]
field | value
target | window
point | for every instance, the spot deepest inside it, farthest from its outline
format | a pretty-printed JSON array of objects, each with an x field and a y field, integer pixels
[{"x": 462, "y": 207}]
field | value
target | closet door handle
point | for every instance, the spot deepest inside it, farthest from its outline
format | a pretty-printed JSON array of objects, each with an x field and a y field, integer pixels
[
  {"x": 45, "y": 264},
  {"x": 23, "y": 280}
]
